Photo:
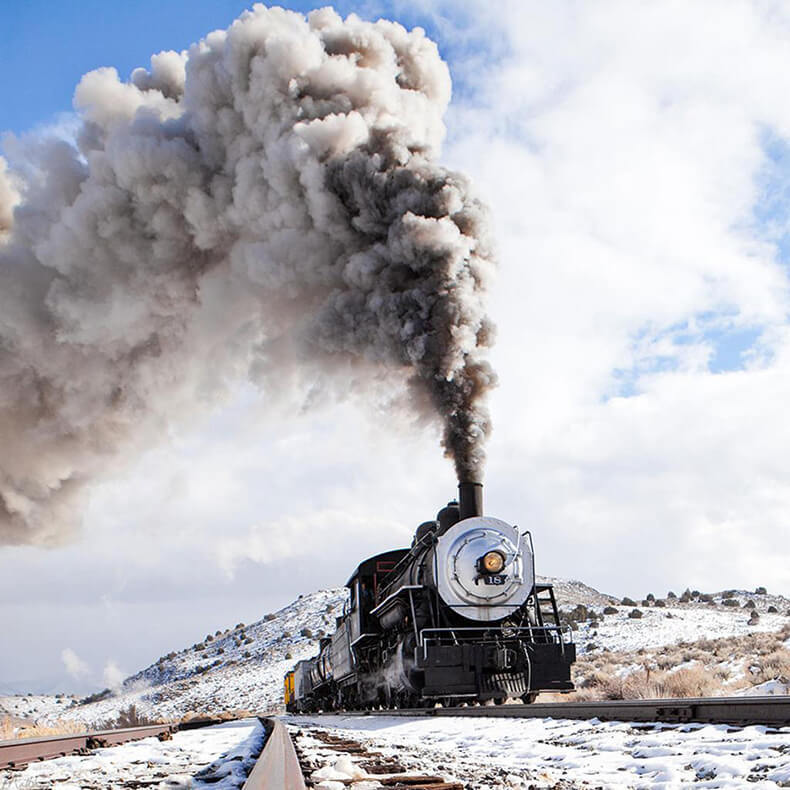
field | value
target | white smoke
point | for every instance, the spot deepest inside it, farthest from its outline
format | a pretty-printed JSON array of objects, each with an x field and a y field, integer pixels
[
  {"x": 113, "y": 676},
  {"x": 9, "y": 197},
  {"x": 75, "y": 666},
  {"x": 267, "y": 204}
]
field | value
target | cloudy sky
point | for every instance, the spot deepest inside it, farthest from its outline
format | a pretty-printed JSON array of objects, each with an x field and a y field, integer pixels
[{"x": 635, "y": 157}]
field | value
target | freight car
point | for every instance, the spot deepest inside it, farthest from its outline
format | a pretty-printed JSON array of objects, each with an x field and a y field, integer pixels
[{"x": 457, "y": 617}]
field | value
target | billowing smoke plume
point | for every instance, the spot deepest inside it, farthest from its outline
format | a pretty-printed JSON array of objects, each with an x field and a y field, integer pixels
[{"x": 266, "y": 204}]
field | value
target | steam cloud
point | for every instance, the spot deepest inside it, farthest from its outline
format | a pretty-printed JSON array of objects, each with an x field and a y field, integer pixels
[{"x": 267, "y": 203}]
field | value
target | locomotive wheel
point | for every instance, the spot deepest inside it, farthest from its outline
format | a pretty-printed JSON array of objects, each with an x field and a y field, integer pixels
[
  {"x": 499, "y": 700},
  {"x": 528, "y": 699}
]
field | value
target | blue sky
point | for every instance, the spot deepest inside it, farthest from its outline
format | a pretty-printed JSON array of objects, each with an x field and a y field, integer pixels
[{"x": 47, "y": 45}]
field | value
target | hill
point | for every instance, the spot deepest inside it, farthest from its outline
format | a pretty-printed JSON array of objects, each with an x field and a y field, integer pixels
[{"x": 740, "y": 639}]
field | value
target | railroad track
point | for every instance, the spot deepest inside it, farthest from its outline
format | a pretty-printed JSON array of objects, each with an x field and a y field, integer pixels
[
  {"x": 277, "y": 767},
  {"x": 20, "y": 752},
  {"x": 736, "y": 711}
]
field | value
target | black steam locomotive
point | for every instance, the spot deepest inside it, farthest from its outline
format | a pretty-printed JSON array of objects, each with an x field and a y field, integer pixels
[{"x": 458, "y": 617}]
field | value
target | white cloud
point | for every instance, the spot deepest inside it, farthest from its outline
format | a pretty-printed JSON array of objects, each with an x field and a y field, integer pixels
[
  {"x": 75, "y": 666},
  {"x": 623, "y": 151}
]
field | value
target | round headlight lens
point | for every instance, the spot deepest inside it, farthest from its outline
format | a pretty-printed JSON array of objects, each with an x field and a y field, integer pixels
[{"x": 493, "y": 562}]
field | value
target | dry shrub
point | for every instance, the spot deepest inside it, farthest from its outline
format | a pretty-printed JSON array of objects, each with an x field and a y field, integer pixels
[
  {"x": 580, "y": 695},
  {"x": 666, "y": 660},
  {"x": 223, "y": 715},
  {"x": 721, "y": 673},
  {"x": 9, "y": 732},
  {"x": 596, "y": 679},
  {"x": 637, "y": 685},
  {"x": 775, "y": 666},
  {"x": 689, "y": 682},
  {"x": 6, "y": 729}
]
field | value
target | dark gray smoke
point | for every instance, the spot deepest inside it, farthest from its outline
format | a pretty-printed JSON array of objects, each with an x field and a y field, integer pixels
[{"x": 267, "y": 204}]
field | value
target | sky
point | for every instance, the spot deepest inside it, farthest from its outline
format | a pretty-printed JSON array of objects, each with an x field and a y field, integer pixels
[{"x": 635, "y": 159}]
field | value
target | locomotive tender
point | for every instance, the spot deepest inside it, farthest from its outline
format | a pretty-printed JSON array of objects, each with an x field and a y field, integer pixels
[{"x": 458, "y": 617}]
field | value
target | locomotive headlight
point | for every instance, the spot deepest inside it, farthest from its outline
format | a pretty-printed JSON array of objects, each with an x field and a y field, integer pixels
[{"x": 493, "y": 562}]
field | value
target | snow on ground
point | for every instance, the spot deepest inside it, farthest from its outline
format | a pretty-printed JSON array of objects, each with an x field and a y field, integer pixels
[
  {"x": 546, "y": 753},
  {"x": 219, "y": 757},
  {"x": 771, "y": 688},
  {"x": 243, "y": 667},
  {"x": 685, "y": 623},
  {"x": 35, "y": 706}
]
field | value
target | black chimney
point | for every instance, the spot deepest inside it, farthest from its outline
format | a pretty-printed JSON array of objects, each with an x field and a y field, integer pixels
[{"x": 470, "y": 499}]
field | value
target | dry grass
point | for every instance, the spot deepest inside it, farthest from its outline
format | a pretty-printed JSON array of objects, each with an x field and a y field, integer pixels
[
  {"x": 223, "y": 715},
  {"x": 10, "y": 732},
  {"x": 717, "y": 667}
]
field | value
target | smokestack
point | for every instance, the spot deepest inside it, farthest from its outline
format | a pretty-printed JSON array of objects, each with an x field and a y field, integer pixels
[{"x": 470, "y": 499}]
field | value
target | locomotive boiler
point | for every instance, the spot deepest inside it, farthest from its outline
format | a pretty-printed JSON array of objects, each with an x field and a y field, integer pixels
[{"x": 457, "y": 617}]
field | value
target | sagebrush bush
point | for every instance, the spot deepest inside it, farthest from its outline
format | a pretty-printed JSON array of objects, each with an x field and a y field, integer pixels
[{"x": 689, "y": 682}]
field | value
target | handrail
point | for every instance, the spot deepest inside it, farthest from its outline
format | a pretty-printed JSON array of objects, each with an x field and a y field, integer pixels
[{"x": 563, "y": 633}]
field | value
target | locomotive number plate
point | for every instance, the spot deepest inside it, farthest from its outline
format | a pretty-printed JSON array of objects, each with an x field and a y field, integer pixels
[{"x": 498, "y": 580}]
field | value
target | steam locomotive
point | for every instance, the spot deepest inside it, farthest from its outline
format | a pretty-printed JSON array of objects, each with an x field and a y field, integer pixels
[{"x": 457, "y": 617}]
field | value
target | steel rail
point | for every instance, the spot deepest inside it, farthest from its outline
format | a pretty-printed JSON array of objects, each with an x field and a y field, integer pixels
[
  {"x": 22, "y": 751},
  {"x": 278, "y": 766},
  {"x": 737, "y": 711}
]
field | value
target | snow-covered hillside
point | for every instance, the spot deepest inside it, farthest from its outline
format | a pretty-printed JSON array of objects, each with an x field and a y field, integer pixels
[{"x": 243, "y": 666}]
